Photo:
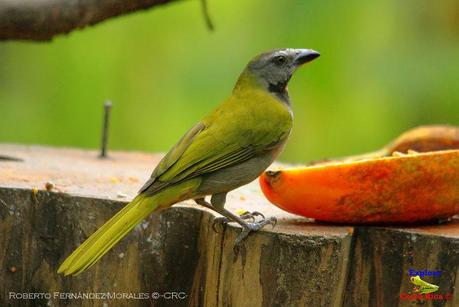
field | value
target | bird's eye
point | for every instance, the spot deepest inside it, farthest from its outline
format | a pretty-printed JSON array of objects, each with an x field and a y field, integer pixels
[{"x": 279, "y": 60}]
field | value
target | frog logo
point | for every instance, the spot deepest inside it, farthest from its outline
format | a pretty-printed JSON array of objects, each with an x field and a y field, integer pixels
[{"x": 422, "y": 286}]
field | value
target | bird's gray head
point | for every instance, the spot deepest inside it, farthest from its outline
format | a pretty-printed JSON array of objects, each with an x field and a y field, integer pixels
[{"x": 272, "y": 70}]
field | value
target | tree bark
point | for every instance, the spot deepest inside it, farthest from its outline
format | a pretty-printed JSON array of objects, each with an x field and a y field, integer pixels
[
  {"x": 41, "y": 20},
  {"x": 297, "y": 263}
]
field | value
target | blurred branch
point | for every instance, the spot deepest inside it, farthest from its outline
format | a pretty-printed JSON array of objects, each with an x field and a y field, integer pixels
[
  {"x": 43, "y": 19},
  {"x": 205, "y": 12}
]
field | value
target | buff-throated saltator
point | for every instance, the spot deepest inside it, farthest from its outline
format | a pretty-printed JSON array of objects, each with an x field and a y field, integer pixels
[{"x": 228, "y": 148}]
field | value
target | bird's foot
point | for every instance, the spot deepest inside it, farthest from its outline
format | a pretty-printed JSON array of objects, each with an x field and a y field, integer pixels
[
  {"x": 252, "y": 216},
  {"x": 244, "y": 215},
  {"x": 246, "y": 229}
]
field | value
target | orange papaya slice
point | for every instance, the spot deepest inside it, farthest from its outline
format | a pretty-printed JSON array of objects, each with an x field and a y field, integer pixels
[{"x": 397, "y": 189}]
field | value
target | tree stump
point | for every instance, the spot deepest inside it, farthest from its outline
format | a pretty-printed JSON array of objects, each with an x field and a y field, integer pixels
[{"x": 175, "y": 258}]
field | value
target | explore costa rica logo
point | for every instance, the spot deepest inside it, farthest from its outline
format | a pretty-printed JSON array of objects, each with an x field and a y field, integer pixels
[{"x": 422, "y": 289}]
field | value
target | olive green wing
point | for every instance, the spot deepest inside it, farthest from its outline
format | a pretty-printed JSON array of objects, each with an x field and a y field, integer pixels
[{"x": 208, "y": 150}]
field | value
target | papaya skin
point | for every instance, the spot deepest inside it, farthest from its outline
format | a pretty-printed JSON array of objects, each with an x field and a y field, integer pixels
[
  {"x": 425, "y": 139},
  {"x": 398, "y": 189},
  {"x": 419, "y": 139}
]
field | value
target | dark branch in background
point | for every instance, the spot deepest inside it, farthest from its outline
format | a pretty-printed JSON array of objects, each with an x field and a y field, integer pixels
[
  {"x": 205, "y": 12},
  {"x": 43, "y": 19}
]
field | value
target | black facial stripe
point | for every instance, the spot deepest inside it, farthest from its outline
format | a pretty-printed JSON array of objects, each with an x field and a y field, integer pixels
[{"x": 277, "y": 87}]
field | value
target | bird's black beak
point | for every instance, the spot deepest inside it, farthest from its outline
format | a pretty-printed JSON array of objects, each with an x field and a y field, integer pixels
[{"x": 305, "y": 55}]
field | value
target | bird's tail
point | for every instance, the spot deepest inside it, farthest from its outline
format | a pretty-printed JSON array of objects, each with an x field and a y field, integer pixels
[{"x": 118, "y": 226}]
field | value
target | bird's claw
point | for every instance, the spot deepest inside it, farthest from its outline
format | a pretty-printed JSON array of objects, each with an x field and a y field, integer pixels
[
  {"x": 252, "y": 215},
  {"x": 254, "y": 227},
  {"x": 247, "y": 215}
]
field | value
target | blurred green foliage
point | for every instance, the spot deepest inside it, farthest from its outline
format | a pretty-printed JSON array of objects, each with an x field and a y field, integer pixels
[{"x": 385, "y": 67}]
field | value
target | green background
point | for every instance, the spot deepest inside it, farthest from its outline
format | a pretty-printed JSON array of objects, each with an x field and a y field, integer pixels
[{"x": 386, "y": 66}]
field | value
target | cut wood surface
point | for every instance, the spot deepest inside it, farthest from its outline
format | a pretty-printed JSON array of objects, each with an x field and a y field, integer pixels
[{"x": 298, "y": 263}]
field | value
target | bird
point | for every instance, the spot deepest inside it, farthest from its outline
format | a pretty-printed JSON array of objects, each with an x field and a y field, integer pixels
[{"x": 228, "y": 148}]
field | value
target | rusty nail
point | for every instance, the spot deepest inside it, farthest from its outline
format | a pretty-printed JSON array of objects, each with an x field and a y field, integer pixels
[{"x": 107, "y": 108}]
